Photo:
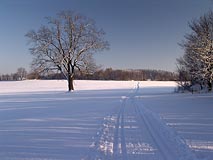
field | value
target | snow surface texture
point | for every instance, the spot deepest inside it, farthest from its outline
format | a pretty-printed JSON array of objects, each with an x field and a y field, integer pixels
[{"x": 116, "y": 120}]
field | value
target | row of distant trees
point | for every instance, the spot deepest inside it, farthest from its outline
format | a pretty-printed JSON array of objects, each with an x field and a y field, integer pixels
[
  {"x": 100, "y": 74},
  {"x": 21, "y": 74},
  {"x": 131, "y": 74}
]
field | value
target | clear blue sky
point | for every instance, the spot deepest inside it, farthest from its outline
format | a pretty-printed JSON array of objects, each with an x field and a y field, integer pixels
[{"x": 143, "y": 34}]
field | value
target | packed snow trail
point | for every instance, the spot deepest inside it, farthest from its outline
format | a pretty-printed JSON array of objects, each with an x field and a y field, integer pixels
[{"x": 134, "y": 132}]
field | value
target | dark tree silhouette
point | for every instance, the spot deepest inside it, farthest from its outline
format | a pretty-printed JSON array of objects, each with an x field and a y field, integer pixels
[{"x": 66, "y": 43}]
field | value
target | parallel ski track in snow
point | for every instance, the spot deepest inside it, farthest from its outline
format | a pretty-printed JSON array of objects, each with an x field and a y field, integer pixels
[
  {"x": 134, "y": 133},
  {"x": 120, "y": 135},
  {"x": 164, "y": 150}
]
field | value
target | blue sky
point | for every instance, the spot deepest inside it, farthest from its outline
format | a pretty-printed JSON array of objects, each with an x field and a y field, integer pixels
[{"x": 143, "y": 34}]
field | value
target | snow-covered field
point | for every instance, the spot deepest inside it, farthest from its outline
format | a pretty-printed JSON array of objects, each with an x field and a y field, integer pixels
[{"x": 115, "y": 120}]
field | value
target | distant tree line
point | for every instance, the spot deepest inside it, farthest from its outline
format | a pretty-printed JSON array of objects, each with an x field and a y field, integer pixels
[
  {"x": 131, "y": 74},
  {"x": 112, "y": 74},
  {"x": 21, "y": 74},
  {"x": 101, "y": 74}
]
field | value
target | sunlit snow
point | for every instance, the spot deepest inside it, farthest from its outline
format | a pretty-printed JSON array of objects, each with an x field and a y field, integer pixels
[{"x": 40, "y": 120}]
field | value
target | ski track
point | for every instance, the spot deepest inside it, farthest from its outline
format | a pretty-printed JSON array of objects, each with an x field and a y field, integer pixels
[
  {"x": 134, "y": 133},
  {"x": 119, "y": 144}
]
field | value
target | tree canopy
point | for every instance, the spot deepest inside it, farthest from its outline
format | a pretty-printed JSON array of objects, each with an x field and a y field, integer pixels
[
  {"x": 197, "y": 61},
  {"x": 66, "y": 44}
]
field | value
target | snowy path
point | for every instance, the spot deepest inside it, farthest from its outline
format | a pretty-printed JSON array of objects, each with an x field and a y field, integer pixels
[{"x": 134, "y": 132}]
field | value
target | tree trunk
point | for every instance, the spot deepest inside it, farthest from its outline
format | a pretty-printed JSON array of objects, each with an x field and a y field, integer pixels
[
  {"x": 209, "y": 86},
  {"x": 71, "y": 78},
  {"x": 70, "y": 83}
]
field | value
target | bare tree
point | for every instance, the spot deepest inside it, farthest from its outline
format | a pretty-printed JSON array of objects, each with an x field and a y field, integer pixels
[
  {"x": 21, "y": 73},
  {"x": 67, "y": 43},
  {"x": 198, "y": 46}
]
